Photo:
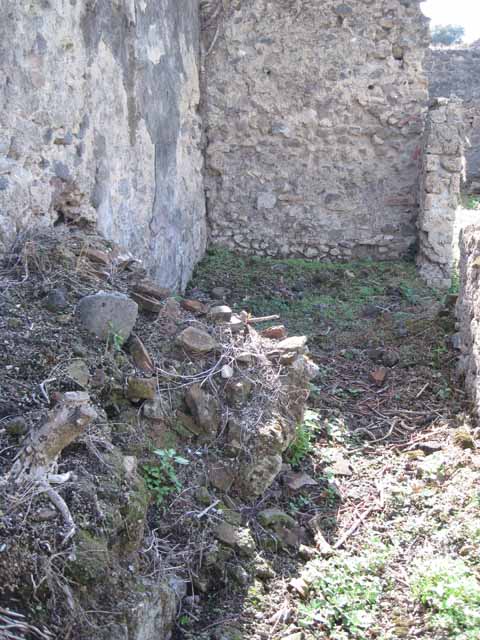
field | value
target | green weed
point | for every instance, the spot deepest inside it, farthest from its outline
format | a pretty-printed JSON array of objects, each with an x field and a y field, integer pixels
[
  {"x": 471, "y": 202},
  {"x": 184, "y": 621},
  {"x": 451, "y": 593},
  {"x": 297, "y": 504},
  {"x": 332, "y": 495},
  {"x": 408, "y": 293},
  {"x": 114, "y": 340},
  {"x": 302, "y": 444},
  {"x": 161, "y": 478},
  {"x": 454, "y": 281},
  {"x": 438, "y": 353}
]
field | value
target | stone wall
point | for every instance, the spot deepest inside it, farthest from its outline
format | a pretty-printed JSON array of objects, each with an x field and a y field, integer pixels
[
  {"x": 440, "y": 182},
  {"x": 99, "y": 118},
  {"x": 457, "y": 72},
  {"x": 468, "y": 312},
  {"x": 314, "y": 115},
  {"x": 454, "y": 71}
]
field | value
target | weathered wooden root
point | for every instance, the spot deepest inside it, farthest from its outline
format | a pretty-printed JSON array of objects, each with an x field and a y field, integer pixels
[
  {"x": 65, "y": 423},
  {"x": 12, "y": 623},
  {"x": 38, "y": 456}
]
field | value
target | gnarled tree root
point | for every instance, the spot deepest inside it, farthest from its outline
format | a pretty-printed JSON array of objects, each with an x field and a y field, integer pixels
[{"x": 37, "y": 459}]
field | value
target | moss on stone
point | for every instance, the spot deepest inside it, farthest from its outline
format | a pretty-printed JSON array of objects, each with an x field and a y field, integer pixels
[
  {"x": 134, "y": 514},
  {"x": 92, "y": 558}
]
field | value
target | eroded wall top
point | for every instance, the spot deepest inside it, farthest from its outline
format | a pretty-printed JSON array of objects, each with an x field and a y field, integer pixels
[
  {"x": 314, "y": 113},
  {"x": 98, "y": 118},
  {"x": 456, "y": 72}
]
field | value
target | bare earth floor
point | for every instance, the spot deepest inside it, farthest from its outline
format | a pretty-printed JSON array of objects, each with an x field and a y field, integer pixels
[{"x": 388, "y": 442}]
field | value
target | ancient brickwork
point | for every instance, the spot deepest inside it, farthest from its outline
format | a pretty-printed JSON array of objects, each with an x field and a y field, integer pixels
[
  {"x": 440, "y": 183},
  {"x": 99, "y": 120},
  {"x": 314, "y": 112},
  {"x": 457, "y": 72},
  {"x": 468, "y": 311}
]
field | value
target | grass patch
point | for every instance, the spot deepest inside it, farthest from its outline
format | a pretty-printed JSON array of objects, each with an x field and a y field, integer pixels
[
  {"x": 308, "y": 295},
  {"x": 451, "y": 592}
]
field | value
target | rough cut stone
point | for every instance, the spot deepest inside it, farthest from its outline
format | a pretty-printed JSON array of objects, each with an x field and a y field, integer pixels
[
  {"x": 140, "y": 356},
  {"x": 171, "y": 310},
  {"x": 340, "y": 467},
  {"x": 235, "y": 434},
  {"x": 237, "y": 537},
  {"x": 96, "y": 255},
  {"x": 151, "y": 290},
  {"x": 236, "y": 324},
  {"x": 155, "y": 409},
  {"x": 294, "y": 344},
  {"x": 205, "y": 410},
  {"x": 221, "y": 313},
  {"x": 378, "y": 376},
  {"x": 107, "y": 314},
  {"x": 259, "y": 474},
  {"x": 78, "y": 371},
  {"x": 194, "y": 306},
  {"x": 197, "y": 341},
  {"x": 146, "y": 303},
  {"x": 238, "y": 392},
  {"x": 141, "y": 388},
  {"x": 273, "y": 516},
  {"x": 274, "y": 333},
  {"x": 296, "y": 481},
  {"x": 152, "y": 612},
  {"x": 221, "y": 476},
  {"x": 56, "y": 300}
]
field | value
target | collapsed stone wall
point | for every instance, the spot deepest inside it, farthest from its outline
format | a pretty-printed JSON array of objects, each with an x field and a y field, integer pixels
[
  {"x": 457, "y": 72},
  {"x": 98, "y": 121},
  {"x": 314, "y": 116},
  {"x": 440, "y": 183},
  {"x": 468, "y": 312}
]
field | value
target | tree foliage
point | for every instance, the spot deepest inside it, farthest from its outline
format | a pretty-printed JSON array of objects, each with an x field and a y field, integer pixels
[{"x": 447, "y": 34}]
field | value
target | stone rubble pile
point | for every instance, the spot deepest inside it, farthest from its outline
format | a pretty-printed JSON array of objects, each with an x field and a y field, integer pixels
[{"x": 161, "y": 372}]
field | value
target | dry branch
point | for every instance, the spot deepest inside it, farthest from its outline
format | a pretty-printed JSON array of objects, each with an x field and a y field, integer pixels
[
  {"x": 13, "y": 623},
  {"x": 263, "y": 319},
  {"x": 38, "y": 456},
  {"x": 65, "y": 423}
]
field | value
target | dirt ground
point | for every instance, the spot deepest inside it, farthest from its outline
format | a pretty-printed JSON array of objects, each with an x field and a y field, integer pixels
[{"x": 394, "y": 459}]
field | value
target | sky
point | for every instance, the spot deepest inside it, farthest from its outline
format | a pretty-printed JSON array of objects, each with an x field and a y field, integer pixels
[{"x": 463, "y": 12}]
